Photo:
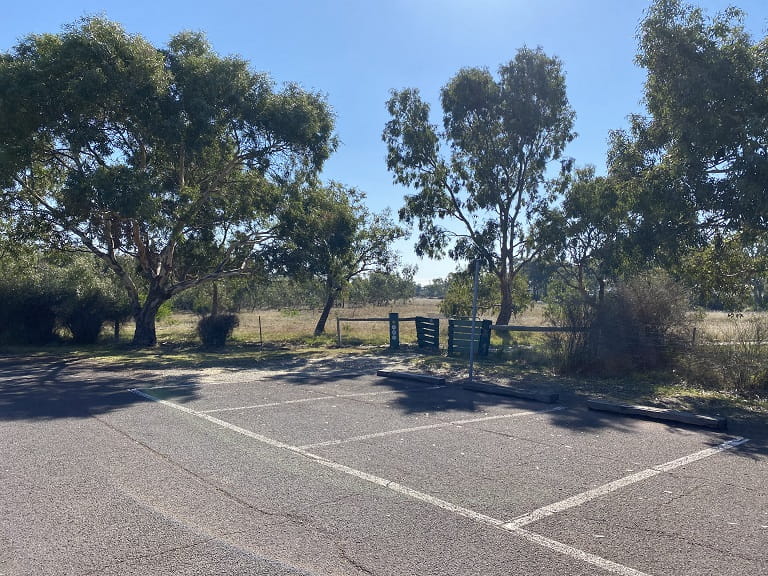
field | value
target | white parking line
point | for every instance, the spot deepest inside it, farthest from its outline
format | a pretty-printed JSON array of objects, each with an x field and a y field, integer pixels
[
  {"x": 514, "y": 527},
  {"x": 605, "y": 489},
  {"x": 267, "y": 405},
  {"x": 312, "y": 399},
  {"x": 425, "y": 427}
]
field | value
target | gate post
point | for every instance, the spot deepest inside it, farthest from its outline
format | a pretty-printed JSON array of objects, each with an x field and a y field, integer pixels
[
  {"x": 484, "y": 344},
  {"x": 394, "y": 331}
]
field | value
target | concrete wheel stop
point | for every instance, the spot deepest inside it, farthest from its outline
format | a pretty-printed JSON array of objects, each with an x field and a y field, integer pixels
[
  {"x": 537, "y": 396},
  {"x": 665, "y": 414},
  {"x": 411, "y": 376}
]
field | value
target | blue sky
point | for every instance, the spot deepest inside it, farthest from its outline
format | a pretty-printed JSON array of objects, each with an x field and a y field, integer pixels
[{"x": 356, "y": 51}]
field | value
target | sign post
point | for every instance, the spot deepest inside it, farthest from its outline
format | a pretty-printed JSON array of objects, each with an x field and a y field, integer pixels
[
  {"x": 394, "y": 331},
  {"x": 474, "y": 319}
]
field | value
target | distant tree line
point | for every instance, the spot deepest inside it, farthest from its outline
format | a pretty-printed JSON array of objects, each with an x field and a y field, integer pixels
[{"x": 282, "y": 292}]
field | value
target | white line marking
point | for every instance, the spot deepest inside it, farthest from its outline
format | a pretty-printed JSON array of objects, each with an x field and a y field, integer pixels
[
  {"x": 424, "y": 427},
  {"x": 382, "y": 392},
  {"x": 565, "y": 550},
  {"x": 511, "y": 527},
  {"x": 267, "y": 405},
  {"x": 312, "y": 399},
  {"x": 605, "y": 489},
  {"x": 701, "y": 455}
]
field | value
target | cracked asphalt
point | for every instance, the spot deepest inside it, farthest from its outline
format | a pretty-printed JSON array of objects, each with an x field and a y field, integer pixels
[{"x": 326, "y": 469}]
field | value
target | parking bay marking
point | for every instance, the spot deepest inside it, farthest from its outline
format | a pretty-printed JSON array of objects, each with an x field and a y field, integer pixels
[
  {"x": 312, "y": 399},
  {"x": 426, "y": 427},
  {"x": 605, "y": 489},
  {"x": 515, "y": 526}
]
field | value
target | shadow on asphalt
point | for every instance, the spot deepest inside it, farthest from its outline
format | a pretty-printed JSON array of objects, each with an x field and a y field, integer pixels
[
  {"x": 44, "y": 390},
  {"x": 35, "y": 389}
]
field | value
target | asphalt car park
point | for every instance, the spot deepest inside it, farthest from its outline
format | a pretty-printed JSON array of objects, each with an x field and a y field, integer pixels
[{"x": 305, "y": 472}]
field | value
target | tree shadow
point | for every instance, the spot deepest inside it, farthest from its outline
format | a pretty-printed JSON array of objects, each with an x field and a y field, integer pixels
[
  {"x": 418, "y": 397},
  {"x": 413, "y": 397},
  {"x": 47, "y": 389}
]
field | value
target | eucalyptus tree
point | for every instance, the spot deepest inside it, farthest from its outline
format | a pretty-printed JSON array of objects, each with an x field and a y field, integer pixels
[
  {"x": 331, "y": 235},
  {"x": 169, "y": 161},
  {"x": 592, "y": 240},
  {"x": 480, "y": 182},
  {"x": 698, "y": 157}
]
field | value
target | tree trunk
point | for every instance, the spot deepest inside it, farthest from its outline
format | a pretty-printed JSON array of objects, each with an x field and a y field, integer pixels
[
  {"x": 601, "y": 290},
  {"x": 507, "y": 308},
  {"x": 215, "y": 299},
  {"x": 320, "y": 328},
  {"x": 145, "y": 335}
]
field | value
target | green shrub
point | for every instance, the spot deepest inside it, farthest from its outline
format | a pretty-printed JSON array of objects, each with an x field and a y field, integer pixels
[
  {"x": 84, "y": 315},
  {"x": 33, "y": 319},
  {"x": 43, "y": 294},
  {"x": 215, "y": 330},
  {"x": 27, "y": 316}
]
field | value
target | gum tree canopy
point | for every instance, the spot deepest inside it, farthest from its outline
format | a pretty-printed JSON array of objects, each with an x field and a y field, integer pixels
[
  {"x": 697, "y": 160},
  {"x": 165, "y": 163},
  {"x": 485, "y": 170}
]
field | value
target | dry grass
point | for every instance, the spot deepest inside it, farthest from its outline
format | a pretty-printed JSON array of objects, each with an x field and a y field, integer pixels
[
  {"x": 297, "y": 326},
  {"x": 722, "y": 326}
]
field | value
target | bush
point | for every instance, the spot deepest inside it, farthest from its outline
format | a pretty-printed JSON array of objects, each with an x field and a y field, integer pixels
[
  {"x": 573, "y": 351},
  {"x": 42, "y": 295},
  {"x": 643, "y": 324},
  {"x": 31, "y": 319},
  {"x": 84, "y": 315},
  {"x": 27, "y": 316},
  {"x": 215, "y": 330}
]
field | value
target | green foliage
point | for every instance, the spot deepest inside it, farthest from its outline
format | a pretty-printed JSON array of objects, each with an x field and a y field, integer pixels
[
  {"x": 330, "y": 235},
  {"x": 727, "y": 273},
  {"x": 199, "y": 299},
  {"x": 382, "y": 289},
  {"x": 89, "y": 298},
  {"x": 28, "y": 315},
  {"x": 215, "y": 330},
  {"x": 695, "y": 164},
  {"x": 166, "y": 163},
  {"x": 459, "y": 295},
  {"x": 501, "y": 135},
  {"x": 437, "y": 288},
  {"x": 278, "y": 293},
  {"x": 65, "y": 291},
  {"x": 589, "y": 235}
]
